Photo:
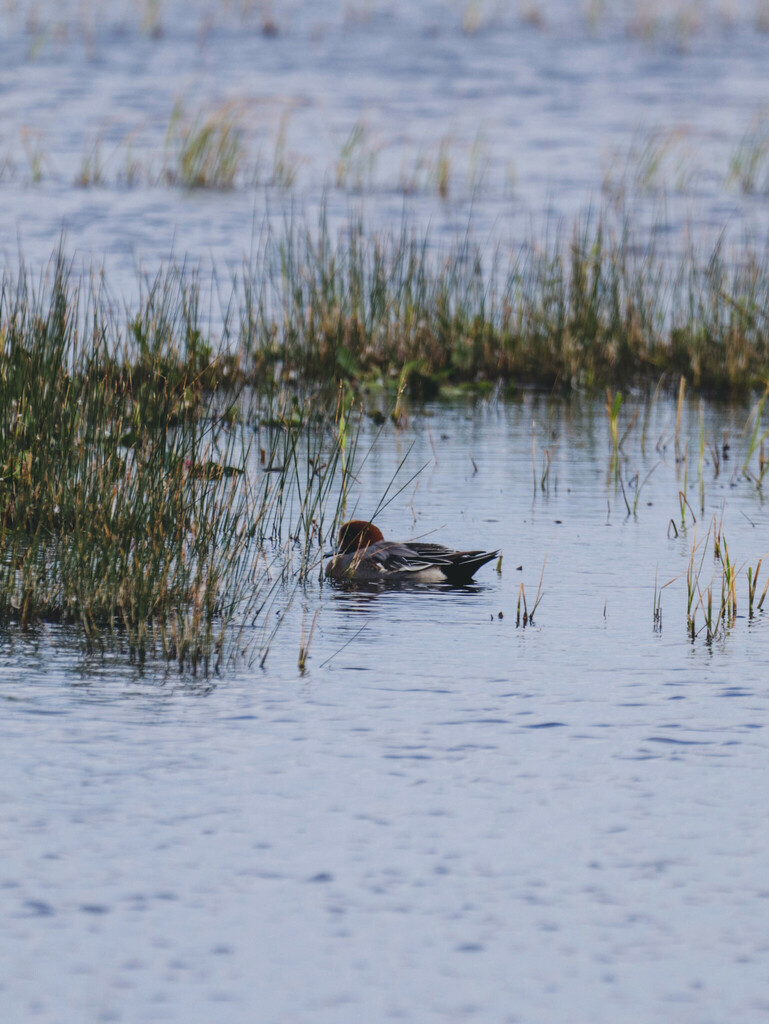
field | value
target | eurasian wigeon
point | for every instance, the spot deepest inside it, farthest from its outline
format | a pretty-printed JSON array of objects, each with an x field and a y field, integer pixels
[{"x": 363, "y": 555}]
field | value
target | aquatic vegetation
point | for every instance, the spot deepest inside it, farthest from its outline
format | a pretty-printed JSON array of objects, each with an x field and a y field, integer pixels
[
  {"x": 524, "y": 617},
  {"x": 598, "y": 310},
  {"x": 749, "y": 165},
  {"x": 646, "y": 19},
  {"x": 92, "y": 167},
  {"x": 756, "y": 442},
  {"x": 693, "y": 572},
  {"x": 715, "y": 601},
  {"x": 442, "y": 170},
  {"x": 306, "y": 640},
  {"x": 33, "y": 150},
  {"x": 205, "y": 151},
  {"x": 657, "y": 607},
  {"x": 637, "y": 486},
  {"x": 593, "y": 311},
  {"x": 656, "y": 162},
  {"x": 285, "y": 164},
  {"x": 752, "y": 584},
  {"x": 132, "y": 500},
  {"x": 355, "y": 166},
  {"x": 613, "y": 406},
  {"x": 547, "y": 461},
  {"x": 150, "y": 460},
  {"x": 712, "y": 596}
]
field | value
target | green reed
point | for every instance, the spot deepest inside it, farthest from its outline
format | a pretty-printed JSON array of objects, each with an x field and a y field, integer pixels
[
  {"x": 749, "y": 164},
  {"x": 716, "y": 600},
  {"x": 524, "y": 617},
  {"x": 205, "y": 151},
  {"x": 132, "y": 500},
  {"x": 756, "y": 442},
  {"x": 592, "y": 310}
]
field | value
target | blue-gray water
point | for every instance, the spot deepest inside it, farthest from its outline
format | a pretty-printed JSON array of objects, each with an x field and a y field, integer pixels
[
  {"x": 525, "y": 119},
  {"x": 447, "y": 817}
]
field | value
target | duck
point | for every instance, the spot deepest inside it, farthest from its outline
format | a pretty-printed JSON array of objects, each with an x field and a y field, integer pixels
[{"x": 363, "y": 555}]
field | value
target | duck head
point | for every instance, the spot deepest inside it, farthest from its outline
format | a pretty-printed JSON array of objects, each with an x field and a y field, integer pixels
[{"x": 356, "y": 535}]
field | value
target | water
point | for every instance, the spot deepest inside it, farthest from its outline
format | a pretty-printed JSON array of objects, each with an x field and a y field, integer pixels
[
  {"x": 448, "y": 816},
  {"x": 539, "y": 118}
]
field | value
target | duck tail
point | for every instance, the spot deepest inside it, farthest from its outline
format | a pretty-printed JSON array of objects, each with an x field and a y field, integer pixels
[{"x": 466, "y": 565}]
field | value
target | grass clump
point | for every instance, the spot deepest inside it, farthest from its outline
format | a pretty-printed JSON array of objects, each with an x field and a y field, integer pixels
[
  {"x": 130, "y": 503},
  {"x": 205, "y": 151},
  {"x": 355, "y": 165},
  {"x": 749, "y": 164},
  {"x": 711, "y": 607},
  {"x": 595, "y": 310}
]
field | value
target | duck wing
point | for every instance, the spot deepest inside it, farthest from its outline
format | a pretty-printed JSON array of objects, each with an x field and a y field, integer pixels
[
  {"x": 403, "y": 559},
  {"x": 457, "y": 566}
]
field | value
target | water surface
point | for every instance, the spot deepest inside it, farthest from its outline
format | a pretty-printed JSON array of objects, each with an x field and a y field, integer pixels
[
  {"x": 528, "y": 113},
  {"x": 448, "y": 816}
]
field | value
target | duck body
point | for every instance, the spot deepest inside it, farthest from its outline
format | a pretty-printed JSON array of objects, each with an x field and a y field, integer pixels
[{"x": 363, "y": 555}]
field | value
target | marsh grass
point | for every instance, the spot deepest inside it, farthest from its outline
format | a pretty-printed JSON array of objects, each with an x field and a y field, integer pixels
[
  {"x": 306, "y": 640},
  {"x": 285, "y": 163},
  {"x": 547, "y": 462},
  {"x": 749, "y": 164},
  {"x": 130, "y": 500},
  {"x": 33, "y": 151},
  {"x": 91, "y": 167},
  {"x": 596, "y": 310},
  {"x": 638, "y": 486},
  {"x": 163, "y": 483},
  {"x": 657, "y": 606},
  {"x": 756, "y": 441},
  {"x": 584, "y": 310},
  {"x": 442, "y": 171},
  {"x": 654, "y": 163},
  {"x": 357, "y": 159},
  {"x": 523, "y": 616},
  {"x": 753, "y": 575},
  {"x": 613, "y": 406},
  {"x": 204, "y": 151},
  {"x": 712, "y": 606}
]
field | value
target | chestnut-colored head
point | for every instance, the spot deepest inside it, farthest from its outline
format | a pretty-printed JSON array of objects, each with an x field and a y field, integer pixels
[{"x": 356, "y": 535}]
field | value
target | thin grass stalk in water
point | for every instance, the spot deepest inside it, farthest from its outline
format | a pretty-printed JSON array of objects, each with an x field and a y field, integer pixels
[{"x": 304, "y": 647}]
